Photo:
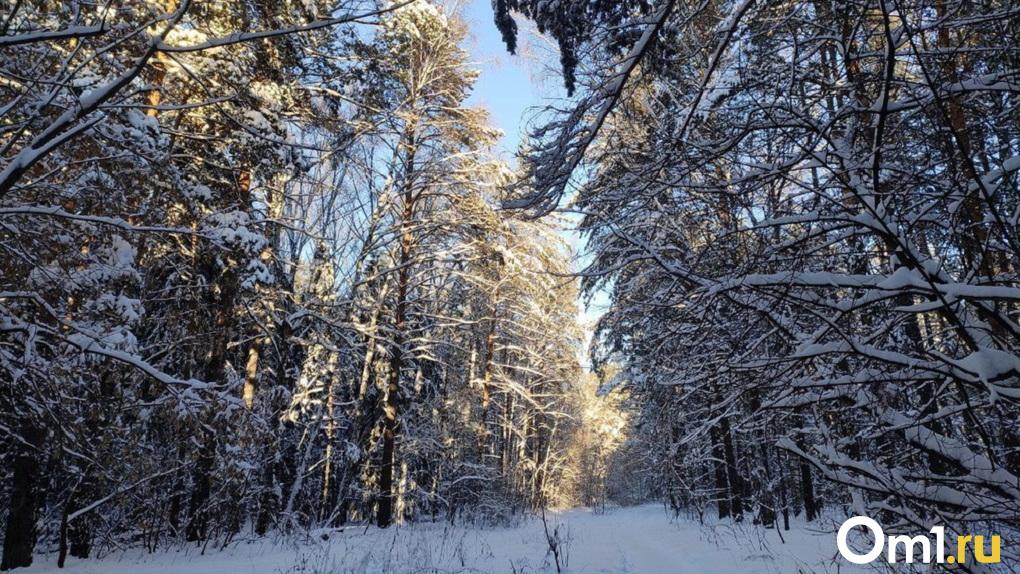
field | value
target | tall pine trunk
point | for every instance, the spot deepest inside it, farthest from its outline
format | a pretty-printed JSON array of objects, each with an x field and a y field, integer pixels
[{"x": 391, "y": 404}]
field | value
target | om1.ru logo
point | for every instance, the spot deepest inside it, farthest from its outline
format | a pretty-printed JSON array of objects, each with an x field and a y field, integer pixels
[{"x": 909, "y": 545}]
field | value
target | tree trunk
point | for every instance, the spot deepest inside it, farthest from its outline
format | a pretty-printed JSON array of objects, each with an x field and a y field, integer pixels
[
  {"x": 722, "y": 489},
  {"x": 807, "y": 492},
  {"x": 767, "y": 503},
  {"x": 732, "y": 475},
  {"x": 391, "y": 404},
  {"x": 19, "y": 539},
  {"x": 198, "y": 511},
  {"x": 485, "y": 440}
]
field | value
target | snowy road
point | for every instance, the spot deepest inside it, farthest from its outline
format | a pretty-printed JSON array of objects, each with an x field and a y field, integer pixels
[
  {"x": 643, "y": 540},
  {"x": 638, "y": 540},
  {"x": 628, "y": 541}
]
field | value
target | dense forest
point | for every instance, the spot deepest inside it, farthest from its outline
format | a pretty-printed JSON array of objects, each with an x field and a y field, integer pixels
[{"x": 263, "y": 272}]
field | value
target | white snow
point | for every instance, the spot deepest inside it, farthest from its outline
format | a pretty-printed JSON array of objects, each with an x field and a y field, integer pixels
[{"x": 634, "y": 540}]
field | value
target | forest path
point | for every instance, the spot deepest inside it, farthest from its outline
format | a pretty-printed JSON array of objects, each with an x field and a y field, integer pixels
[
  {"x": 634, "y": 540},
  {"x": 647, "y": 540},
  {"x": 627, "y": 542}
]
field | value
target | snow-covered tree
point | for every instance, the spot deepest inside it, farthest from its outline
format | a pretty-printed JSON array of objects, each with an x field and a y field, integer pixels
[
  {"x": 805, "y": 217},
  {"x": 230, "y": 237}
]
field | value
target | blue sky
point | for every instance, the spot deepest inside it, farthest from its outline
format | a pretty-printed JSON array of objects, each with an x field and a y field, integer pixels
[{"x": 505, "y": 86}]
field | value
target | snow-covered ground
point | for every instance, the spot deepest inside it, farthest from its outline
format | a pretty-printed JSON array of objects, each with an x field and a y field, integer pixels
[{"x": 637, "y": 540}]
